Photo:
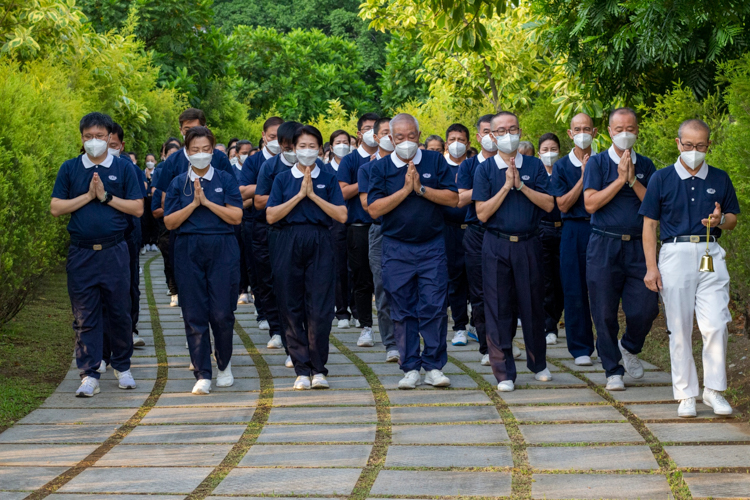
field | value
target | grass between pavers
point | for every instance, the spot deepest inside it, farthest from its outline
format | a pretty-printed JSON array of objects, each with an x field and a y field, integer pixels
[
  {"x": 30, "y": 347},
  {"x": 125, "y": 429},
  {"x": 254, "y": 428}
]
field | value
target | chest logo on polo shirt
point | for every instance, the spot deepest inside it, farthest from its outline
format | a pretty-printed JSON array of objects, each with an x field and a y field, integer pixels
[
  {"x": 218, "y": 190},
  {"x": 640, "y": 176},
  {"x": 113, "y": 177},
  {"x": 426, "y": 176},
  {"x": 525, "y": 177},
  {"x": 711, "y": 191},
  {"x": 321, "y": 186}
]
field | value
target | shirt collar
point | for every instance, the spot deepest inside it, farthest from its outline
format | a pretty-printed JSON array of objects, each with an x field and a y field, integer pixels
[
  {"x": 613, "y": 155},
  {"x": 184, "y": 150},
  {"x": 87, "y": 163},
  {"x": 684, "y": 174},
  {"x": 297, "y": 173},
  {"x": 481, "y": 157},
  {"x": 502, "y": 165},
  {"x": 283, "y": 159},
  {"x": 208, "y": 175},
  {"x": 397, "y": 161},
  {"x": 377, "y": 154},
  {"x": 362, "y": 152},
  {"x": 334, "y": 164},
  {"x": 266, "y": 154},
  {"x": 574, "y": 159},
  {"x": 451, "y": 162}
]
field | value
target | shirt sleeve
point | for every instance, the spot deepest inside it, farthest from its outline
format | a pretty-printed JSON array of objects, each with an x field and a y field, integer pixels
[
  {"x": 134, "y": 188},
  {"x": 246, "y": 177},
  {"x": 156, "y": 200},
  {"x": 142, "y": 181},
  {"x": 558, "y": 184},
  {"x": 482, "y": 187},
  {"x": 232, "y": 194},
  {"x": 541, "y": 182},
  {"x": 61, "y": 189},
  {"x": 276, "y": 197},
  {"x": 730, "y": 205},
  {"x": 346, "y": 170},
  {"x": 649, "y": 171},
  {"x": 172, "y": 200},
  {"x": 164, "y": 179},
  {"x": 446, "y": 178},
  {"x": 363, "y": 178},
  {"x": 264, "y": 184},
  {"x": 335, "y": 196},
  {"x": 464, "y": 179},
  {"x": 377, "y": 182},
  {"x": 651, "y": 204},
  {"x": 593, "y": 177}
]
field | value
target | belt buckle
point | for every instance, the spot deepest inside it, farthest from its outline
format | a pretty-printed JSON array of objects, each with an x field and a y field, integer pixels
[
  {"x": 558, "y": 224},
  {"x": 514, "y": 239},
  {"x": 464, "y": 226},
  {"x": 96, "y": 247},
  {"x": 695, "y": 239},
  {"x": 625, "y": 237}
]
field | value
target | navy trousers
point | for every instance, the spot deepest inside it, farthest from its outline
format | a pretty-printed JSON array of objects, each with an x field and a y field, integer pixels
[
  {"x": 614, "y": 272},
  {"x": 553, "y": 293},
  {"x": 338, "y": 234},
  {"x": 473, "y": 240},
  {"x": 164, "y": 247},
  {"x": 415, "y": 277},
  {"x": 458, "y": 283},
  {"x": 243, "y": 263},
  {"x": 358, "y": 250},
  {"x": 99, "y": 290},
  {"x": 513, "y": 281},
  {"x": 252, "y": 276},
  {"x": 207, "y": 269},
  {"x": 264, "y": 270},
  {"x": 305, "y": 281},
  {"x": 578, "y": 327},
  {"x": 134, "y": 245}
]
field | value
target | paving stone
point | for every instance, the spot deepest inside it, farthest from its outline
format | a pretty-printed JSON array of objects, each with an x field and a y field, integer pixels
[
  {"x": 438, "y": 397},
  {"x": 581, "y": 433},
  {"x": 240, "y": 385},
  {"x": 650, "y": 378},
  {"x": 146, "y": 434},
  {"x": 289, "y": 482},
  {"x": 46, "y": 455},
  {"x": 457, "y": 382},
  {"x": 198, "y": 415},
  {"x": 669, "y": 412},
  {"x": 137, "y": 480},
  {"x": 360, "y": 382},
  {"x": 548, "y": 396},
  {"x": 449, "y": 456},
  {"x": 322, "y": 415},
  {"x": 119, "y": 399},
  {"x": 74, "y": 416},
  {"x": 84, "y": 434},
  {"x": 192, "y": 455},
  {"x": 184, "y": 361},
  {"x": 307, "y": 456},
  {"x": 592, "y": 458},
  {"x": 597, "y": 486},
  {"x": 371, "y": 357},
  {"x": 27, "y": 478},
  {"x": 337, "y": 433},
  {"x": 444, "y": 414},
  {"x": 442, "y": 483},
  {"x": 350, "y": 370},
  {"x": 597, "y": 367},
  {"x": 715, "y": 485},
  {"x": 280, "y": 359},
  {"x": 487, "y": 370},
  {"x": 324, "y": 398},
  {"x": 9, "y": 495},
  {"x": 700, "y": 432},
  {"x": 449, "y": 434},
  {"x": 69, "y": 387},
  {"x": 644, "y": 395},
  {"x": 394, "y": 369},
  {"x": 528, "y": 380},
  {"x": 238, "y": 372},
  {"x": 213, "y": 399},
  {"x": 566, "y": 413},
  {"x": 710, "y": 456}
]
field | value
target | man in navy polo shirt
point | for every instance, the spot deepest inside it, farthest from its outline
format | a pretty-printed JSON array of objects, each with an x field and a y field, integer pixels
[
  {"x": 359, "y": 221},
  {"x": 614, "y": 184},
  {"x": 681, "y": 199},
  {"x": 100, "y": 192},
  {"x": 510, "y": 192},
  {"x": 566, "y": 184},
  {"x": 408, "y": 189}
]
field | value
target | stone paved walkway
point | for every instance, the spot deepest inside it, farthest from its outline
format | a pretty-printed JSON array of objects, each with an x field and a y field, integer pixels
[{"x": 362, "y": 438}]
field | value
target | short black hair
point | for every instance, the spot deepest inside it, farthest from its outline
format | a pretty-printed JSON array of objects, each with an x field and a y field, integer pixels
[
  {"x": 243, "y": 142},
  {"x": 150, "y": 154},
  {"x": 286, "y": 132},
  {"x": 457, "y": 127},
  {"x": 367, "y": 117},
  {"x": 549, "y": 136},
  {"x": 170, "y": 146},
  {"x": 308, "y": 130},
  {"x": 132, "y": 153},
  {"x": 191, "y": 114},
  {"x": 174, "y": 140},
  {"x": 506, "y": 113},
  {"x": 380, "y": 123},
  {"x": 339, "y": 133},
  {"x": 197, "y": 132},
  {"x": 623, "y": 110},
  {"x": 435, "y": 138},
  {"x": 96, "y": 119},
  {"x": 118, "y": 131},
  {"x": 233, "y": 141},
  {"x": 272, "y": 122},
  {"x": 484, "y": 119}
]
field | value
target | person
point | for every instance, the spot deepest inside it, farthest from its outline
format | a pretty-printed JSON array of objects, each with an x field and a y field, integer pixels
[
  {"x": 243, "y": 148},
  {"x": 550, "y": 234},
  {"x": 232, "y": 155},
  {"x": 408, "y": 189},
  {"x": 232, "y": 142},
  {"x": 353, "y": 142},
  {"x": 526, "y": 148},
  {"x": 457, "y": 139},
  {"x": 471, "y": 152},
  {"x": 101, "y": 193},
  {"x": 682, "y": 200},
  {"x": 201, "y": 207},
  {"x": 375, "y": 253},
  {"x": 157, "y": 209},
  {"x": 221, "y": 147},
  {"x": 510, "y": 195},
  {"x": 340, "y": 141},
  {"x": 303, "y": 201},
  {"x": 435, "y": 143},
  {"x": 614, "y": 184},
  {"x": 566, "y": 184},
  {"x": 358, "y": 226},
  {"x": 149, "y": 229}
]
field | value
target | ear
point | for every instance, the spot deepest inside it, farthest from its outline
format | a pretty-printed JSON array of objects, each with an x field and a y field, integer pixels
[
  {"x": 570, "y": 133},
  {"x": 594, "y": 132}
]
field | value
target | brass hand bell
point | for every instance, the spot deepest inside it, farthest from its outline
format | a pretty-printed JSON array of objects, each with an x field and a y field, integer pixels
[{"x": 707, "y": 262}]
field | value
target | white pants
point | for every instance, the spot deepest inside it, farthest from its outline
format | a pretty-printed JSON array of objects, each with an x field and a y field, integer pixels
[{"x": 685, "y": 291}]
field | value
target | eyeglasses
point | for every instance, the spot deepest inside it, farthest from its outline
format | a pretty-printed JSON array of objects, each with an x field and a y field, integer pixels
[
  {"x": 101, "y": 137},
  {"x": 698, "y": 147},
  {"x": 503, "y": 131}
]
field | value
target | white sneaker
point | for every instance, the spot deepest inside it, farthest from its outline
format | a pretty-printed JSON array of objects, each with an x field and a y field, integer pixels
[
  {"x": 202, "y": 386},
  {"x": 187, "y": 346},
  {"x": 356, "y": 323},
  {"x": 319, "y": 381},
  {"x": 89, "y": 387},
  {"x": 543, "y": 376},
  {"x": 175, "y": 302},
  {"x": 435, "y": 378},
  {"x": 343, "y": 324},
  {"x": 275, "y": 342},
  {"x": 191, "y": 367},
  {"x": 169, "y": 293},
  {"x": 140, "y": 270},
  {"x": 687, "y": 408},
  {"x": 506, "y": 386},
  {"x": 615, "y": 383},
  {"x": 225, "y": 377},
  {"x": 289, "y": 363},
  {"x": 365, "y": 338},
  {"x": 583, "y": 361},
  {"x": 181, "y": 316},
  {"x": 125, "y": 379},
  {"x": 392, "y": 357},
  {"x": 459, "y": 338},
  {"x": 263, "y": 325},
  {"x": 631, "y": 362},
  {"x": 715, "y": 399},
  {"x": 138, "y": 341},
  {"x": 485, "y": 360},
  {"x": 244, "y": 299},
  {"x": 516, "y": 351},
  {"x": 410, "y": 380},
  {"x": 102, "y": 367},
  {"x": 143, "y": 250},
  {"x": 551, "y": 339},
  {"x": 302, "y": 383},
  {"x": 519, "y": 322}
]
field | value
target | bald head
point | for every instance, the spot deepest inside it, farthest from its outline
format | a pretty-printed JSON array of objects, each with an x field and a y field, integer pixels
[
  {"x": 582, "y": 120},
  {"x": 694, "y": 125}
]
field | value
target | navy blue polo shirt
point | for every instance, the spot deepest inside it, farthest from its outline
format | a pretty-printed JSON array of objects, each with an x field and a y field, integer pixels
[
  {"x": 565, "y": 175},
  {"x": 416, "y": 219},
  {"x": 347, "y": 172},
  {"x": 680, "y": 201},
  {"x": 267, "y": 173},
  {"x": 465, "y": 180},
  {"x": 455, "y": 215},
  {"x": 517, "y": 214},
  {"x": 621, "y": 213},
  {"x": 286, "y": 186},
  {"x": 249, "y": 176},
  {"x": 220, "y": 187},
  {"x": 156, "y": 200},
  {"x": 95, "y": 221},
  {"x": 178, "y": 163},
  {"x": 363, "y": 182},
  {"x": 555, "y": 215}
]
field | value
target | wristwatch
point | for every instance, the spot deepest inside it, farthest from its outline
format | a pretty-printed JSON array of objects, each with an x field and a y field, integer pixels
[
  {"x": 723, "y": 219},
  {"x": 107, "y": 198},
  {"x": 421, "y": 191}
]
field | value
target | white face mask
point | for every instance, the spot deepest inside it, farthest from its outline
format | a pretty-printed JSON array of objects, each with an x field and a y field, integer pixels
[
  {"x": 386, "y": 144},
  {"x": 150, "y": 164},
  {"x": 406, "y": 150},
  {"x": 307, "y": 157},
  {"x": 549, "y": 158},
  {"x": 273, "y": 147},
  {"x": 583, "y": 141},
  {"x": 624, "y": 140},
  {"x": 95, "y": 147},
  {"x": 508, "y": 143},
  {"x": 341, "y": 150},
  {"x": 291, "y": 156},
  {"x": 242, "y": 159},
  {"x": 113, "y": 152},
  {"x": 369, "y": 138},
  {"x": 457, "y": 149},
  {"x": 693, "y": 159},
  {"x": 200, "y": 160},
  {"x": 234, "y": 161},
  {"x": 488, "y": 144}
]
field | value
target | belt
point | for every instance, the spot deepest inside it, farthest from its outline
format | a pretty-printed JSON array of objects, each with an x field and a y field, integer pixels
[
  {"x": 98, "y": 244},
  {"x": 690, "y": 239},
  {"x": 547, "y": 223},
  {"x": 513, "y": 237},
  {"x": 477, "y": 227},
  {"x": 360, "y": 224},
  {"x": 456, "y": 224},
  {"x": 617, "y": 236}
]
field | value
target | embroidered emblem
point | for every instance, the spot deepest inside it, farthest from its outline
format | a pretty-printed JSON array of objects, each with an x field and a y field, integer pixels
[
  {"x": 525, "y": 177},
  {"x": 640, "y": 176},
  {"x": 321, "y": 186},
  {"x": 218, "y": 190},
  {"x": 711, "y": 191},
  {"x": 426, "y": 176},
  {"x": 113, "y": 177}
]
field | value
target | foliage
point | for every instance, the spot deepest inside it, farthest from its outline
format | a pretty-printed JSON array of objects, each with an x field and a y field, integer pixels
[
  {"x": 399, "y": 81},
  {"x": 539, "y": 119}
]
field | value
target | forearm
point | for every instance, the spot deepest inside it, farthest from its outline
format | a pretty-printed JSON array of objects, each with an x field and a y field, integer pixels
[
  {"x": 228, "y": 213},
  {"x": 260, "y": 201},
  {"x": 566, "y": 202},
  {"x": 336, "y": 212},
  {"x": 380, "y": 207},
  {"x": 175, "y": 219},
  {"x": 275, "y": 214},
  {"x": 363, "y": 201},
  {"x": 247, "y": 203},
  {"x": 349, "y": 190},
  {"x": 248, "y": 191},
  {"x": 594, "y": 200},
  {"x": 541, "y": 200},
  {"x": 464, "y": 197},
  {"x": 485, "y": 209},
  {"x": 130, "y": 207},
  {"x": 649, "y": 242},
  {"x": 640, "y": 190},
  {"x": 730, "y": 222},
  {"x": 58, "y": 206},
  {"x": 158, "y": 213},
  {"x": 442, "y": 196}
]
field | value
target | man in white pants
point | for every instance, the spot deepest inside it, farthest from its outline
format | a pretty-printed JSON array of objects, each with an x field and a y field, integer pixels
[{"x": 682, "y": 198}]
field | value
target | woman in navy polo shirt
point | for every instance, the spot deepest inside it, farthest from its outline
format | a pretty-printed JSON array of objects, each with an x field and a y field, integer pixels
[
  {"x": 302, "y": 203},
  {"x": 202, "y": 206}
]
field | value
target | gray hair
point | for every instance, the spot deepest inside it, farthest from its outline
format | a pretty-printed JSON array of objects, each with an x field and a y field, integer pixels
[
  {"x": 401, "y": 117},
  {"x": 694, "y": 123}
]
